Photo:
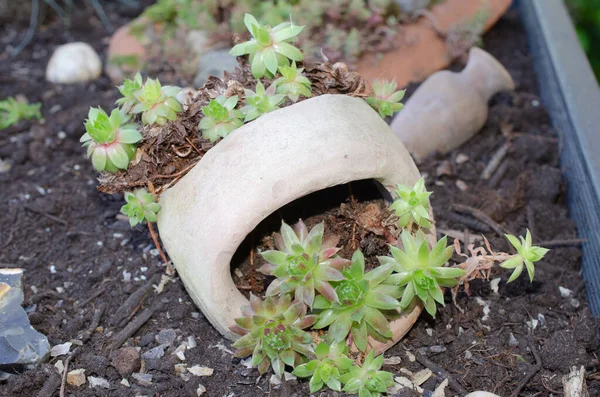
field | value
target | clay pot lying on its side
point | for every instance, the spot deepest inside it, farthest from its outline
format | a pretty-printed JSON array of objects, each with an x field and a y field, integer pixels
[
  {"x": 449, "y": 108},
  {"x": 284, "y": 155}
]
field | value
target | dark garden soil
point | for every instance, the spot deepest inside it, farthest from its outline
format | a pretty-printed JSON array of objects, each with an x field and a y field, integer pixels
[{"x": 82, "y": 258}]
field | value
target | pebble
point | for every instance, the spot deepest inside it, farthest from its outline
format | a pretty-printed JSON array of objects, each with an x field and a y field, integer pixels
[
  {"x": 126, "y": 361},
  {"x": 200, "y": 390},
  {"x": 76, "y": 377},
  {"x": 461, "y": 185},
  {"x": 147, "y": 339},
  {"x": 166, "y": 336},
  {"x": 197, "y": 41},
  {"x": 461, "y": 158},
  {"x": 143, "y": 379},
  {"x": 98, "y": 382},
  {"x": 213, "y": 63},
  {"x": 154, "y": 353},
  {"x": 200, "y": 371},
  {"x": 512, "y": 341},
  {"x": 73, "y": 63},
  {"x": 60, "y": 350}
]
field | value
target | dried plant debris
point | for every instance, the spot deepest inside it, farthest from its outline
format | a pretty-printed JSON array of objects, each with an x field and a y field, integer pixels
[{"x": 169, "y": 151}]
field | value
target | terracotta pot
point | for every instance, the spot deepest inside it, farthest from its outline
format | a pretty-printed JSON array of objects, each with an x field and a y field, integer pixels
[
  {"x": 449, "y": 108},
  {"x": 420, "y": 50},
  {"x": 284, "y": 155}
]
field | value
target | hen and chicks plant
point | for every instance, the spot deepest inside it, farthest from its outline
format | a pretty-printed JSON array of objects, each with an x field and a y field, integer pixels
[
  {"x": 292, "y": 82},
  {"x": 156, "y": 103},
  {"x": 13, "y": 111},
  {"x": 220, "y": 118},
  {"x": 386, "y": 100},
  {"x": 110, "y": 140},
  {"x": 268, "y": 48},
  {"x": 527, "y": 254},
  {"x": 260, "y": 102},
  {"x": 140, "y": 207},
  {"x": 412, "y": 205}
]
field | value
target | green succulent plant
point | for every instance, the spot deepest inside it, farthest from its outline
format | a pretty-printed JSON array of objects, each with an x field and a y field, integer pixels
[
  {"x": 220, "y": 118},
  {"x": 527, "y": 254},
  {"x": 421, "y": 271},
  {"x": 128, "y": 90},
  {"x": 331, "y": 363},
  {"x": 368, "y": 380},
  {"x": 140, "y": 207},
  {"x": 412, "y": 205},
  {"x": 110, "y": 139},
  {"x": 272, "y": 331},
  {"x": 269, "y": 47},
  {"x": 303, "y": 263},
  {"x": 362, "y": 296},
  {"x": 157, "y": 104},
  {"x": 386, "y": 100},
  {"x": 260, "y": 102},
  {"x": 292, "y": 82},
  {"x": 13, "y": 111}
]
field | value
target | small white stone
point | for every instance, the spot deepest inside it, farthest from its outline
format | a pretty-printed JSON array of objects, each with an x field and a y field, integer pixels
[
  {"x": 494, "y": 284},
  {"x": 512, "y": 341},
  {"x": 200, "y": 371},
  {"x": 76, "y": 377},
  {"x": 125, "y": 382},
  {"x": 73, "y": 63},
  {"x": 60, "y": 350},
  {"x": 98, "y": 382},
  {"x": 52, "y": 269},
  {"x": 565, "y": 292},
  {"x": 61, "y": 135},
  {"x": 429, "y": 331},
  {"x": 201, "y": 390},
  {"x": 60, "y": 367},
  {"x": 461, "y": 158},
  {"x": 460, "y": 184},
  {"x": 411, "y": 357},
  {"x": 394, "y": 360}
]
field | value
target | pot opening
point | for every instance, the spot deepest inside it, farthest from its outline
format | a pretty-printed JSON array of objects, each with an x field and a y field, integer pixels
[{"x": 356, "y": 212}]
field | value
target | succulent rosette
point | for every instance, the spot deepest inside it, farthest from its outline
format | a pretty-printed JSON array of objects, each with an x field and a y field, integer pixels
[
  {"x": 362, "y": 296},
  {"x": 110, "y": 139},
  {"x": 421, "y": 271},
  {"x": 260, "y": 102},
  {"x": 128, "y": 89},
  {"x": 527, "y": 254},
  {"x": 269, "y": 47},
  {"x": 156, "y": 103},
  {"x": 292, "y": 82},
  {"x": 331, "y": 363},
  {"x": 386, "y": 100},
  {"x": 412, "y": 204},
  {"x": 272, "y": 331},
  {"x": 303, "y": 263},
  {"x": 368, "y": 380},
  {"x": 220, "y": 118},
  {"x": 140, "y": 207}
]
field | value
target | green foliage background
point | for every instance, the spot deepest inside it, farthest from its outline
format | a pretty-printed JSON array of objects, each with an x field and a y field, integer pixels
[{"x": 586, "y": 15}]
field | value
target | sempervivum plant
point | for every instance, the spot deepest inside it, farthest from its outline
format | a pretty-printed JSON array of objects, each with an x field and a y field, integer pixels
[
  {"x": 526, "y": 254},
  {"x": 271, "y": 331},
  {"x": 386, "y": 100},
  {"x": 421, "y": 271},
  {"x": 303, "y": 263},
  {"x": 331, "y": 363},
  {"x": 220, "y": 118},
  {"x": 412, "y": 205},
  {"x": 269, "y": 47},
  {"x": 361, "y": 299},
  {"x": 368, "y": 380},
  {"x": 260, "y": 102},
  {"x": 140, "y": 207},
  {"x": 128, "y": 89},
  {"x": 292, "y": 82},
  {"x": 110, "y": 139},
  {"x": 156, "y": 103}
]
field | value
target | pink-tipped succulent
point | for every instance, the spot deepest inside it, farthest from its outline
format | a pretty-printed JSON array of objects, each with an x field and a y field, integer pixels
[
  {"x": 260, "y": 102},
  {"x": 269, "y": 47},
  {"x": 156, "y": 103},
  {"x": 386, "y": 100},
  {"x": 220, "y": 118},
  {"x": 110, "y": 139},
  {"x": 304, "y": 263},
  {"x": 272, "y": 331}
]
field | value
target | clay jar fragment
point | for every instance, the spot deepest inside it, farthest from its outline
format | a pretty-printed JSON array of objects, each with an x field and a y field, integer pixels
[
  {"x": 318, "y": 143},
  {"x": 449, "y": 108}
]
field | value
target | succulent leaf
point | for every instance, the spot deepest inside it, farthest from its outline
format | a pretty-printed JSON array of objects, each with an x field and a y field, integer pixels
[
  {"x": 220, "y": 118},
  {"x": 156, "y": 103},
  {"x": 13, "y": 111},
  {"x": 368, "y": 379},
  {"x": 260, "y": 102},
  {"x": 331, "y": 363},
  {"x": 386, "y": 100},
  {"x": 292, "y": 82},
  {"x": 128, "y": 89}
]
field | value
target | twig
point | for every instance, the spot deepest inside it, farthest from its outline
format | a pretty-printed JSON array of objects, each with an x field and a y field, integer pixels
[
  {"x": 154, "y": 236},
  {"x": 65, "y": 370},
  {"x": 52, "y": 383},
  {"x": 194, "y": 146},
  {"x": 91, "y": 297},
  {"x": 133, "y": 327},
  {"x": 440, "y": 372},
  {"x": 482, "y": 216},
  {"x": 495, "y": 161},
  {"x": 130, "y": 303},
  {"x": 51, "y": 217},
  {"x": 533, "y": 371},
  {"x": 98, "y": 313},
  {"x": 499, "y": 385},
  {"x": 559, "y": 243},
  {"x": 499, "y": 174},
  {"x": 469, "y": 222}
]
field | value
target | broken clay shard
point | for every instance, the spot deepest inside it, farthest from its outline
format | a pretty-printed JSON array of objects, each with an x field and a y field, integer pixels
[{"x": 20, "y": 344}]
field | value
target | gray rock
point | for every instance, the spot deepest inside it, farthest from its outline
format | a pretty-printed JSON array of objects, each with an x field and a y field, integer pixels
[
  {"x": 154, "y": 353},
  {"x": 166, "y": 336},
  {"x": 20, "y": 344},
  {"x": 213, "y": 63},
  {"x": 197, "y": 41},
  {"x": 126, "y": 360}
]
